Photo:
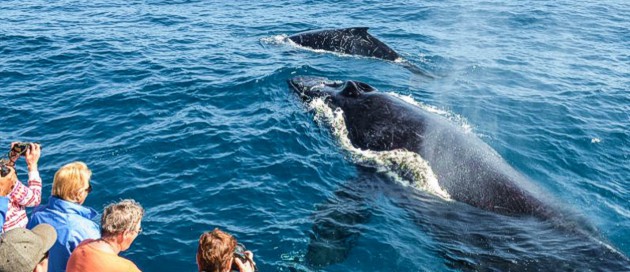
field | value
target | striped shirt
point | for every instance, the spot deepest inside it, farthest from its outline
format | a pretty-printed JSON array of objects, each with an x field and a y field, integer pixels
[{"x": 21, "y": 197}]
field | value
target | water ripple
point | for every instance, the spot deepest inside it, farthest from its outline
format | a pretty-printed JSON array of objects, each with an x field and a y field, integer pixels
[{"x": 183, "y": 105}]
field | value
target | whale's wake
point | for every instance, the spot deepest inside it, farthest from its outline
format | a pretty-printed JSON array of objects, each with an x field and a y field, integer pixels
[{"x": 407, "y": 168}]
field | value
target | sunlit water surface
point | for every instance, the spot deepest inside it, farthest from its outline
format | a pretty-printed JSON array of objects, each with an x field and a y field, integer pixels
[{"x": 184, "y": 106}]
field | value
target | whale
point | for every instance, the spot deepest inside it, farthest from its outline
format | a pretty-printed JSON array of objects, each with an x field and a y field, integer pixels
[
  {"x": 466, "y": 168},
  {"x": 496, "y": 198},
  {"x": 352, "y": 41}
]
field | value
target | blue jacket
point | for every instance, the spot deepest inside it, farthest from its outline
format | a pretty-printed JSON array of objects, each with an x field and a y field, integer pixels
[
  {"x": 73, "y": 224},
  {"x": 4, "y": 205}
]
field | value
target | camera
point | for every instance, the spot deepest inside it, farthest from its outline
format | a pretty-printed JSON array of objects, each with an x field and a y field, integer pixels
[
  {"x": 21, "y": 147},
  {"x": 7, "y": 162},
  {"x": 239, "y": 252}
]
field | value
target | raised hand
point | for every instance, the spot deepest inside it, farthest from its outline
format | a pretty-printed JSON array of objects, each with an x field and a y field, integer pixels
[
  {"x": 32, "y": 156},
  {"x": 249, "y": 265}
]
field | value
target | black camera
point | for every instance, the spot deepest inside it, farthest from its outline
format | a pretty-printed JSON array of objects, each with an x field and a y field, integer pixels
[
  {"x": 20, "y": 148},
  {"x": 239, "y": 252}
]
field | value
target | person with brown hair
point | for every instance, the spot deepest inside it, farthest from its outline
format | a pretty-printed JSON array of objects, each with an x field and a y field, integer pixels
[{"x": 216, "y": 253}]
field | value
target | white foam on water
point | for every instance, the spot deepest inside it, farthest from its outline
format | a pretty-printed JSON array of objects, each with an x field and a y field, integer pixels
[
  {"x": 277, "y": 39},
  {"x": 406, "y": 167},
  {"x": 457, "y": 119}
]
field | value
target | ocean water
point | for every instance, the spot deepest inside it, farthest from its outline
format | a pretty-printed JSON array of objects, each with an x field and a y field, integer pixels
[{"x": 184, "y": 107}]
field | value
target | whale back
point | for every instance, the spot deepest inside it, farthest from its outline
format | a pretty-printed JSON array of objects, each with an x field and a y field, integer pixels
[
  {"x": 371, "y": 125},
  {"x": 352, "y": 41},
  {"x": 466, "y": 167},
  {"x": 379, "y": 122}
]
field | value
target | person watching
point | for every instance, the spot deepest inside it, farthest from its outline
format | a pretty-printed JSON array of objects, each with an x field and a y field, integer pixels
[
  {"x": 6, "y": 185},
  {"x": 66, "y": 213},
  {"x": 120, "y": 226},
  {"x": 22, "y": 196},
  {"x": 23, "y": 250},
  {"x": 215, "y": 253}
]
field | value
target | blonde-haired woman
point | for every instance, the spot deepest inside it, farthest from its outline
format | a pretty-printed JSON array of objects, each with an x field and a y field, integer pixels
[{"x": 66, "y": 213}]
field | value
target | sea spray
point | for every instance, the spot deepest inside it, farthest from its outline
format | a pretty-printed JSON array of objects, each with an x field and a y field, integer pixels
[
  {"x": 457, "y": 119},
  {"x": 407, "y": 168}
]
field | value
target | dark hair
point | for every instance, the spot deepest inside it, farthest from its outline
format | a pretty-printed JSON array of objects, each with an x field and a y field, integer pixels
[
  {"x": 5, "y": 169},
  {"x": 215, "y": 251}
]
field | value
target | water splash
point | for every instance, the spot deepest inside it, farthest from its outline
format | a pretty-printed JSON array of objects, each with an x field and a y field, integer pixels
[
  {"x": 276, "y": 40},
  {"x": 455, "y": 118},
  {"x": 406, "y": 167}
]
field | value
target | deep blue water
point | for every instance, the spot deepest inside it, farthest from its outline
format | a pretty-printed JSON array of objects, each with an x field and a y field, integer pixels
[{"x": 183, "y": 106}]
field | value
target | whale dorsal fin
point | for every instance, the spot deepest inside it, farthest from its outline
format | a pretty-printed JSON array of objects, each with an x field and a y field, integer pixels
[
  {"x": 361, "y": 31},
  {"x": 358, "y": 29},
  {"x": 356, "y": 88},
  {"x": 366, "y": 88}
]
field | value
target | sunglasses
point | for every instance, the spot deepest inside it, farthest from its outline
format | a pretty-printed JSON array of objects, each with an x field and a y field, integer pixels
[
  {"x": 45, "y": 257},
  {"x": 89, "y": 188}
]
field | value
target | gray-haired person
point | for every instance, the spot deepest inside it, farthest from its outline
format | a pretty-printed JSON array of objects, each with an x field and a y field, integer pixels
[{"x": 120, "y": 225}]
